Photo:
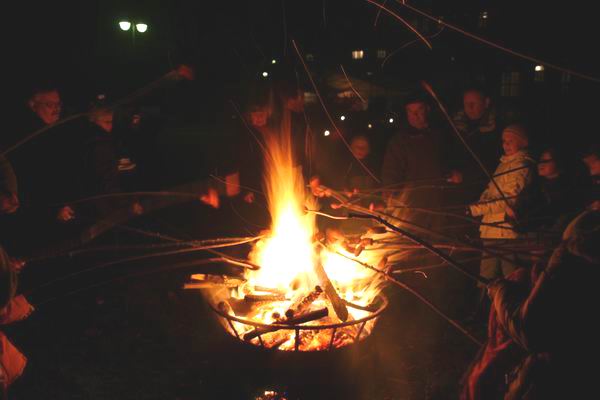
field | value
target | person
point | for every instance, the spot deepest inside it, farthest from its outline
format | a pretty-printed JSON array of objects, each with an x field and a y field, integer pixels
[
  {"x": 553, "y": 200},
  {"x": 42, "y": 165},
  {"x": 480, "y": 127},
  {"x": 542, "y": 342},
  {"x": 9, "y": 200},
  {"x": 414, "y": 160},
  {"x": 495, "y": 206},
  {"x": 591, "y": 158},
  {"x": 13, "y": 308}
]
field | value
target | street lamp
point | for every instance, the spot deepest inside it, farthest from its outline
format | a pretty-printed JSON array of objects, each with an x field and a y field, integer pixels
[{"x": 135, "y": 27}]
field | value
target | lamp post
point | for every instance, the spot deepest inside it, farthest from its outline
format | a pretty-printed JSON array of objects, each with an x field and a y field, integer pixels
[{"x": 135, "y": 27}]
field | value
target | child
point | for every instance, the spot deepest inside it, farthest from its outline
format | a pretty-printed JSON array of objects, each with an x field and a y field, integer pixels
[{"x": 513, "y": 175}]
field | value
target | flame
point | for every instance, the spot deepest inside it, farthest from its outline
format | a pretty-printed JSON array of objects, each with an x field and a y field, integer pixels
[{"x": 288, "y": 255}]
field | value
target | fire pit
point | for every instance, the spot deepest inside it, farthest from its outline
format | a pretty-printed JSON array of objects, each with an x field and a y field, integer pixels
[
  {"x": 297, "y": 334},
  {"x": 301, "y": 290}
]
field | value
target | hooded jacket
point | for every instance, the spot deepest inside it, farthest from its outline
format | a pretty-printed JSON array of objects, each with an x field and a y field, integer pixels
[{"x": 512, "y": 175}]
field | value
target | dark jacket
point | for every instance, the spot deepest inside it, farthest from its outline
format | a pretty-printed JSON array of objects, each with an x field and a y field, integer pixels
[
  {"x": 414, "y": 159},
  {"x": 484, "y": 138},
  {"x": 549, "y": 204}
]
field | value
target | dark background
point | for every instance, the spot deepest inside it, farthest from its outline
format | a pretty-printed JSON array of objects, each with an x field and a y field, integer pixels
[{"x": 130, "y": 332}]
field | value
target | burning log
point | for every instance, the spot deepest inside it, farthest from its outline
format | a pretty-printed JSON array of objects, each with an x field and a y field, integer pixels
[
  {"x": 254, "y": 297},
  {"x": 268, "y": 290},
  {"x": 206, "y": 281},
  {"x": 338, "y": 305},
  {"x": 300, "y": 319},
  {"x": 302, "y": 305}
]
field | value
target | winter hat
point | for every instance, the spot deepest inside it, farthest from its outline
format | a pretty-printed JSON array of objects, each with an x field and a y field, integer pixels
[{"x": 519, "y": 132}]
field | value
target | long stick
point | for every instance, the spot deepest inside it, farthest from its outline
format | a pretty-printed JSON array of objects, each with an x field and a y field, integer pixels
[{"x": 419, "y": 296}]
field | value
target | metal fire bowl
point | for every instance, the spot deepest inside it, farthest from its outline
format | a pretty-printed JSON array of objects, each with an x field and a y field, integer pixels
[{"x": 381, "y": 299}]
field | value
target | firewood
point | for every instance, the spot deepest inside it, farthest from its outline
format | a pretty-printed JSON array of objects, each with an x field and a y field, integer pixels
[
  {"x": 226, "y": 280},
  {"x": 253, "y": 297},
  {"x": 300, "y": 319},
  {"x": 336, "y": 302},
  {"x": 304, "y": 303},
  {"x": 268, "y": 290}
]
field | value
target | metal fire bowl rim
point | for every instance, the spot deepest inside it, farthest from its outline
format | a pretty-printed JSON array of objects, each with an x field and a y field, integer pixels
[{"x": 375, "y": 314}]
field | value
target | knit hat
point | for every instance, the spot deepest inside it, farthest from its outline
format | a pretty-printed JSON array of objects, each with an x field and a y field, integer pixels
[{"x": 519, "y": 132}]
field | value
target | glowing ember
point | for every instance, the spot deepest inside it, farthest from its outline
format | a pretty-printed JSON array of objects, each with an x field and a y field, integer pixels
[{"x": 301, "y": 281}]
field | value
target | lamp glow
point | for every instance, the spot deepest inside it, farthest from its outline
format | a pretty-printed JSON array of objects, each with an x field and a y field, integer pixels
[
  {"x": 265, "y": 74},
  {"x": 124, "y": 25},
  {"x": 343, "y": 117},
  {"x": 141, "y": 27},
  {"x": 326, "y": 133}
]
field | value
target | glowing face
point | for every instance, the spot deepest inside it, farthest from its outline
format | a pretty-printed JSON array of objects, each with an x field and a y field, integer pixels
[
  {"x": 47, "y": 106},
  {"x": 105, "y": 121},
  {"x": 295, "y": 104},
  {"x": 360, "y": 147},
  {"x": 593, "y": 163},
  {"x": 547, "y": 166},
  {"x": 510, "y": 144},
  {"x": 416, "y": 114},
  {"x": 475, "y": 104},
  {"x": 258, "y": 118}
]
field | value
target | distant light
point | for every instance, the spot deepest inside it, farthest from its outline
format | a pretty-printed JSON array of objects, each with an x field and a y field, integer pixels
[
  {"x": 141, "y": 27},
  {"x": 265, "y": 74},
  {"x": 370, "y": 126},
  {"x": 358, "y": 54},
  {"x": 125, "y": 25},
  {"x": 369, "y": 73},
  {"x": 484, "y": 15},
  {"x": 343, "y": 117},
  {"x": 391, "y": 120},
  {"x": 539, "y": 68},
  {"x": 326, "y": 133},
  {"x": 273, "y": 61}
]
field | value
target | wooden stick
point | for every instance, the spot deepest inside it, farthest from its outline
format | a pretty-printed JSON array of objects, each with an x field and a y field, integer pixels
[
  {"x": 300, "y": 306},
  {"x": 338, "y": 305},
  {"x": 264, "y": 297},
  {"x": 300, "y": 319}
]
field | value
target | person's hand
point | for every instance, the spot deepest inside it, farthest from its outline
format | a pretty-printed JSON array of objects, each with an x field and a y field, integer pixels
[
  {"x": 376, "y": 206},
  {"x": 137, "y": 208},
  {"x": 17, "y": 264},
  {"x": 249, "y": 197},
  {"x": 9, "y": 204},
  {"x": 211, "y": 198},
  {"x": 185, "y": 72},
  {"x": 493, "y": 287},
  {"x": 455, "y": 177},
  {"x": 316, "y": 188},
  {"x": 232, "y": 184},
  {"x": 65, "y": 214},
  {"x": 511, "y": 213}
]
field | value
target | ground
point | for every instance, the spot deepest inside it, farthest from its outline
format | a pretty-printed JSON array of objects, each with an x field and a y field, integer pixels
[{"x": 129, "y": 331}]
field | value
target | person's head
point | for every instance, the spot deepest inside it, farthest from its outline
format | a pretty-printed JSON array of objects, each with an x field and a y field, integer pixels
[
  {"x": 549, "y": 165},
  {"x": 46, "y": 104},
  {"x": 591, "y": 158},
  {"x": 103, "y": 117},
  {"x": 259, "y": 116},
  {"x": 290, "y": 93},
  {"x": 360, "y": 147},
  {"x": 417, "y": 112},
  {"x": 514, "y": 139},
  {"x": 475, "y": 103}
]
